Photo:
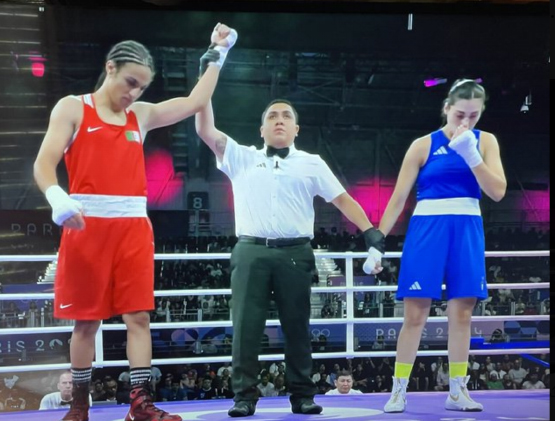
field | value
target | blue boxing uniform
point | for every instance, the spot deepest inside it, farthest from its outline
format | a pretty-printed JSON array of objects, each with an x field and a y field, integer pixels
[{"x": 445, "y": 239}]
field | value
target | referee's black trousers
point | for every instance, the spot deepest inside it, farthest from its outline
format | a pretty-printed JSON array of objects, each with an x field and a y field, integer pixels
[{"x": 258, "y": 271}]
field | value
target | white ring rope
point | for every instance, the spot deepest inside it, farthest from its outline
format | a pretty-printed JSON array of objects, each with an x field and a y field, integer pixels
[
  {"x": 350, "y": 321},
  {"x": 330, "y": 290},
  {"x": 271, "y": 357},
  {"x": 272, "y": 322},
  {"x": 220, "y": 256}
]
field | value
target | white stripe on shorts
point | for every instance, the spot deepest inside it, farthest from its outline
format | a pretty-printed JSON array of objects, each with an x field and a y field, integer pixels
[
  {"x": 454, "y": 206},
  {"x": 106, "y": 206}
]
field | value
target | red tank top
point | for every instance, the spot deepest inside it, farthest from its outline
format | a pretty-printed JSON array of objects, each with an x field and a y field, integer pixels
[{"x": 106, "y": 158}]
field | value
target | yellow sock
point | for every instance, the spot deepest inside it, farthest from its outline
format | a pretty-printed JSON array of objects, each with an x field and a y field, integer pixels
[
  {"x": 402, "y": 370},
  {"x": 457, "y": 369}
]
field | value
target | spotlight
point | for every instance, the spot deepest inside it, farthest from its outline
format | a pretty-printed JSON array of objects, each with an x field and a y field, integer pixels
[{"x": 433, "y": 82}]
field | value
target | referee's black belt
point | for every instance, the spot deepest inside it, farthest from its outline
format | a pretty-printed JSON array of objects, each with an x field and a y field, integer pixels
[{"x": 274, "y": 242}]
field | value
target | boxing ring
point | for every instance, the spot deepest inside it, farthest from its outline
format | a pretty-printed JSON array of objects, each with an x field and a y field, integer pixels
[{"x": 498, "y": 405}]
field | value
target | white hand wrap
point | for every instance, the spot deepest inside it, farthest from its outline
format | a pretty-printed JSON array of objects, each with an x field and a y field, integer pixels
[
  {"x": 465, "y": 145},
  {"x": 63, "y": 206},
  {"x": 230, "y": 39},
  {"x": 374, "y": 256}
]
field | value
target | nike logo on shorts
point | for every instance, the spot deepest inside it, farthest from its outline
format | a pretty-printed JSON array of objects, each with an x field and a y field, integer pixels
[
  {"x": 93, "y": 129},
  {"x": 62, "y": 306}
]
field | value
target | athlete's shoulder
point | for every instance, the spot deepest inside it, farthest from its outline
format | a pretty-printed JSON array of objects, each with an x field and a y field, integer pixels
[{"x": 68, "y": 108}]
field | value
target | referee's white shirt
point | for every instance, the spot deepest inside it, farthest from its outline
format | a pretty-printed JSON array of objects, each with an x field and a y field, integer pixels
[{"x": 274, "y": 197}]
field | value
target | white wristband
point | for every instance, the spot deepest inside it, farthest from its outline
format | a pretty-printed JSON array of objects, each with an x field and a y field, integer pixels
[
  {"x": 474, "y": 159},
  {"x": 465, "y": 145},
  {"x": 231, "y": 39},
  {"x": 223, "y": 54},
  {"x": 374, "y": 256},
  {"x": 63, "y": 206}
]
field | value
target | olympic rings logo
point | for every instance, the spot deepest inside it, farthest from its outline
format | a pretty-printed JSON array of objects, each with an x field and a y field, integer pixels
[{"x": 317, "y": 332}]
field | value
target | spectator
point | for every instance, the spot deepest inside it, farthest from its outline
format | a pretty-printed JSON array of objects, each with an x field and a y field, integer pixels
[
  {"x": 517, "y": 373},
  {"x": 546, "y": 378},
  {"x": 508, "y": 383},
  {"x": 472, "y": 363},
  {"x": 378, "y": 385},
  {"x": 494, "y": 383},
  {"x": 442, "y": 378},
  {"x": 520, "y": 307},
  {"x": 110, "y": 389},
  {"x": 165, "y": 391},
  {"x": 327, "y": 312},
  {"x": 421, "y": 377},
  {"x": 344, "y": 385},
  {"x": 334, "y": 373},
  {"x": 321, "y": 370},
  {"x": 279, "y": 386},
  {"x": 499, "y": 370},
  {"x": 475, "y": 382},
  {"x": 276, "y": 367},
  {"x": 436, "y": 365},
  {"x": 265, "y": 388},
  {"x": 323, "y": 384},
  {"x": 497, "y": 336},
  {"x": 224, "y": 391},
  {"x": 122, "y": 394},
  {"x": 97, "y": 392},
  {"x": 155, "y": 377},
  {"x": 177, "y": 393},
  {"x": 62, "y": 397},
  {"x": 379, "y": 343},
  {"x": 321, "y": 344},
  {"x": 209, "y": 347},
  {"x": 533, "y": 382},
  {"x": 506, "y": 363},
  {"x": 226, "y": 366},
  {"x": 360, "y": 381},
  {"x": 206, "y": 392}
]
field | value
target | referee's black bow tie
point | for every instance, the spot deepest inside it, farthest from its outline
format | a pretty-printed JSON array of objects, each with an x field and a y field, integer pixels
[
  {"x": 62, "y": 403},
  {"x": 271, "y": 151}
]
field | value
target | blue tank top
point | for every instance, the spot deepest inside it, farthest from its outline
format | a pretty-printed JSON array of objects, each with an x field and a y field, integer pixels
[{"x": 445, "y": 175}]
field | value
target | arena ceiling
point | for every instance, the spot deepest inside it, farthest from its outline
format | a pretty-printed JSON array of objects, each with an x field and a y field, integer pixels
[{"x": 355, "y": 73}]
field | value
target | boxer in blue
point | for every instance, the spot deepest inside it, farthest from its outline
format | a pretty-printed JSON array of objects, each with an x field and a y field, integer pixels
[{"x": 445, "y": 239}]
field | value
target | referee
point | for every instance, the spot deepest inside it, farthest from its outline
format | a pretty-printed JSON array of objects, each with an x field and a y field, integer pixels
[{"x": 274, "y": 189}]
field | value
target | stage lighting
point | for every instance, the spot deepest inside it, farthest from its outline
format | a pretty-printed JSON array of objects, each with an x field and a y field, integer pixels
[{"x": 428, "y": 83}]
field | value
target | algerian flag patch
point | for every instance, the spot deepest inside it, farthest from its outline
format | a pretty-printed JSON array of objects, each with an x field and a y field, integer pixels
[{"x": 133, "y": 135}]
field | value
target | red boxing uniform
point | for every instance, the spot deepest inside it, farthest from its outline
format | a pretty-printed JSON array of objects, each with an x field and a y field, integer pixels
[{"x": 107, "y": 268}]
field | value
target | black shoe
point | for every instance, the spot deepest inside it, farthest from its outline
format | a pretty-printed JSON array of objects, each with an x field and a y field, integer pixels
[
  {"x": 242, "y": 409},
  {"x": 305, "y": 406}
]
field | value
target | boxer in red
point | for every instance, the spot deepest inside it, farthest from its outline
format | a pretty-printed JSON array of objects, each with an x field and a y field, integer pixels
[{"x": 106, "y": 257}]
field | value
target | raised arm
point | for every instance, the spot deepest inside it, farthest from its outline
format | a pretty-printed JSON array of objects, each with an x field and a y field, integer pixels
[
  {"x": 174, "y": 110},
  {"x": 204, "y": 119},
  {"x": 206, "y": 129}
]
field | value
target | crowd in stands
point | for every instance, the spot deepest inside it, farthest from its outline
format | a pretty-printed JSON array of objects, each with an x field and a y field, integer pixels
[
  {"x": 190, "y": 382},
  {"x": 212, "y": 381},
  {"x": 214, "y": 274}
]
